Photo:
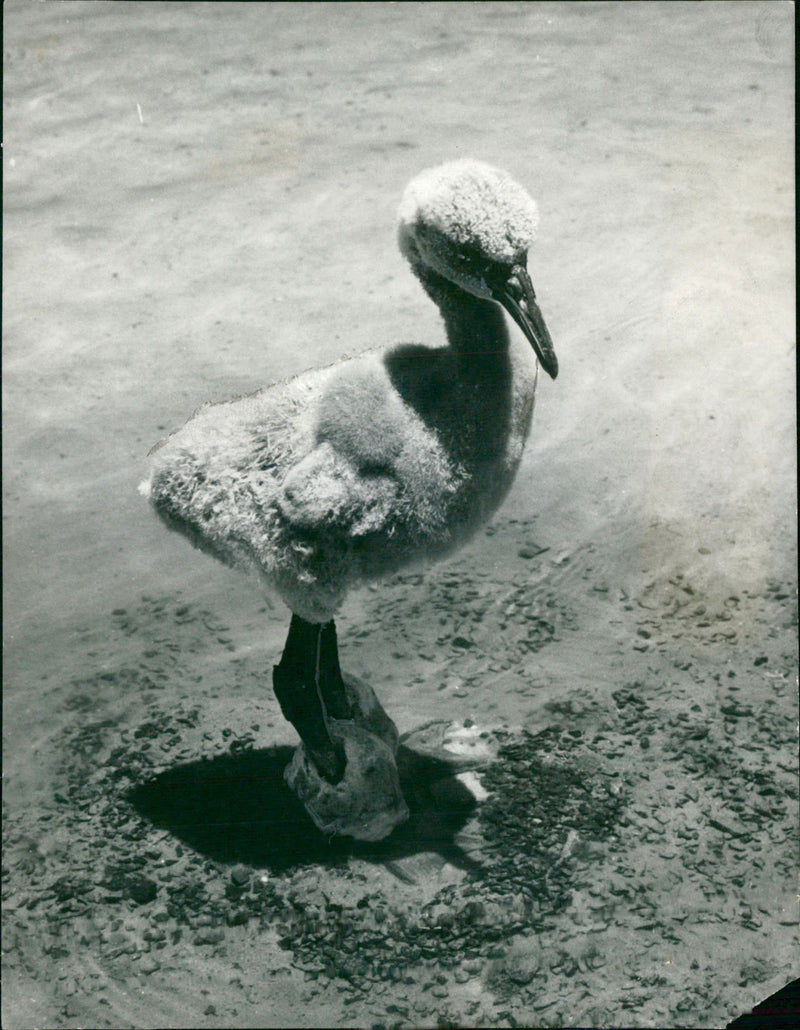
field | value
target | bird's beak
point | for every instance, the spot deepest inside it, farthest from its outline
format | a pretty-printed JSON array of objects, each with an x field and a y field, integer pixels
[{"x": 517, "y": 297}]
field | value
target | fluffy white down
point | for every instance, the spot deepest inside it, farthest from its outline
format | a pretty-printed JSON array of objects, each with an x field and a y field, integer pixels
[{"x": 471, "y": 203}]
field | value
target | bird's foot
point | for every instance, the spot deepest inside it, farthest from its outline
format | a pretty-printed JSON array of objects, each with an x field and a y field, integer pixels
[
  {"x": 316, "y": 699},
  {"x": 367, "y": 712},
  {"x": 329, "y": 760},
  {"x": 366, "y": 803}
]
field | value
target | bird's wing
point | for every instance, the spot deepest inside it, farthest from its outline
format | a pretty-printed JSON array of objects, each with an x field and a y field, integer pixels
[{"x": 326, "y": 492}]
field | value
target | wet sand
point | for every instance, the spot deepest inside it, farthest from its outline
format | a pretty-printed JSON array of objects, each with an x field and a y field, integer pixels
[{"x": 199, "y": 200}]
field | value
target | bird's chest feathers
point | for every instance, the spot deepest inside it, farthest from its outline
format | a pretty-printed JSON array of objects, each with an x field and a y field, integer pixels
[{"x": 414, "y": 409}]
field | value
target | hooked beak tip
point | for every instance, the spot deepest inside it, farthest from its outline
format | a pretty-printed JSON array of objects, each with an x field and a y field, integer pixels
[
  {"x": 519, "y": 299},
  {"x": 551, "y": 368}
]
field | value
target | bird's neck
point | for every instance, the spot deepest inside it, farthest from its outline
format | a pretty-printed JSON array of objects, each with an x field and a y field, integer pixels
[{"x": 476, "y": 328}]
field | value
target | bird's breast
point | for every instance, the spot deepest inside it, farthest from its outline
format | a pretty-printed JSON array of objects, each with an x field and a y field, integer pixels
[{"x": 448, "y": 441}]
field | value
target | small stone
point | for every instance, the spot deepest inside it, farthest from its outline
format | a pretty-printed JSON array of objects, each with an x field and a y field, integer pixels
[
  {"x": 149, "y": 965},
  {"x": 238, "y": 917},
  {"x": 240, "y": 875},
  {"x": 142, "y": 889},
  {"x": 473, "y": 913},
  {"x": 522, "y": 961},
  {"x": 735, "y": 710}
]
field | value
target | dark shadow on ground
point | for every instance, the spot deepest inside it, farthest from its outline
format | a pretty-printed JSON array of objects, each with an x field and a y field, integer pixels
[{"x": 237, "y": 808}]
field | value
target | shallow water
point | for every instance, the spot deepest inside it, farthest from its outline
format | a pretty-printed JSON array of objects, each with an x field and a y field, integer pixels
[{"x": 199, "y": 199}]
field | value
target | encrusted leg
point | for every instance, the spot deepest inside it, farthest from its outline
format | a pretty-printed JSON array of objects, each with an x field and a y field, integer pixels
[
  {"x": 351, "y": 699},
  {"x": 331, "y": 684},
  {"x": 344, "y": 771},
  {"x": 296, "y": 681}
]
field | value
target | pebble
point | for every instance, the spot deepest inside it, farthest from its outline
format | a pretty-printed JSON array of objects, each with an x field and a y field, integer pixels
[
  {"x": 729, "y": 828},
  {"x": 736, "y": 710},
  {"x": 142, "y": 889},
  {"x": 522, "y": 961},
  {"x": 240, "y": 875}
]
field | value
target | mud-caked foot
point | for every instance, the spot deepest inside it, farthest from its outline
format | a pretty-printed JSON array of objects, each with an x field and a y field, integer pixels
[
  {"x": 366, "y": 803},
  {"x": 367, "y": 712}
]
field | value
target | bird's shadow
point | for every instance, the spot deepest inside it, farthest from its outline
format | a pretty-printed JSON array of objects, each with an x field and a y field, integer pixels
[{"x": 237, "y": 808}]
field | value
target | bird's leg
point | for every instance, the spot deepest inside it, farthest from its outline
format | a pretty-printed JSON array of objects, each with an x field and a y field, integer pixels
[
  {"x": 306, "y": 664},
  {"x": 355, "y": 701},
  {"x": 330, "y": 675}
]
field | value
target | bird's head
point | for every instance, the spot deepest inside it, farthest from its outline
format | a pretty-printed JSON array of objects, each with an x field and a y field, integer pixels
[{"x": 473, "y": 224}]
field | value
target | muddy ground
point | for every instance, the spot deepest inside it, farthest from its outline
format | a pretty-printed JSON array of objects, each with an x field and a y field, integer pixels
[{"x": 598, "y": 696}]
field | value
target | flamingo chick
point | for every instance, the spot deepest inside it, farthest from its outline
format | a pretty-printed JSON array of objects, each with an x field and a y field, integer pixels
[{"x": 349, "y": 473}]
